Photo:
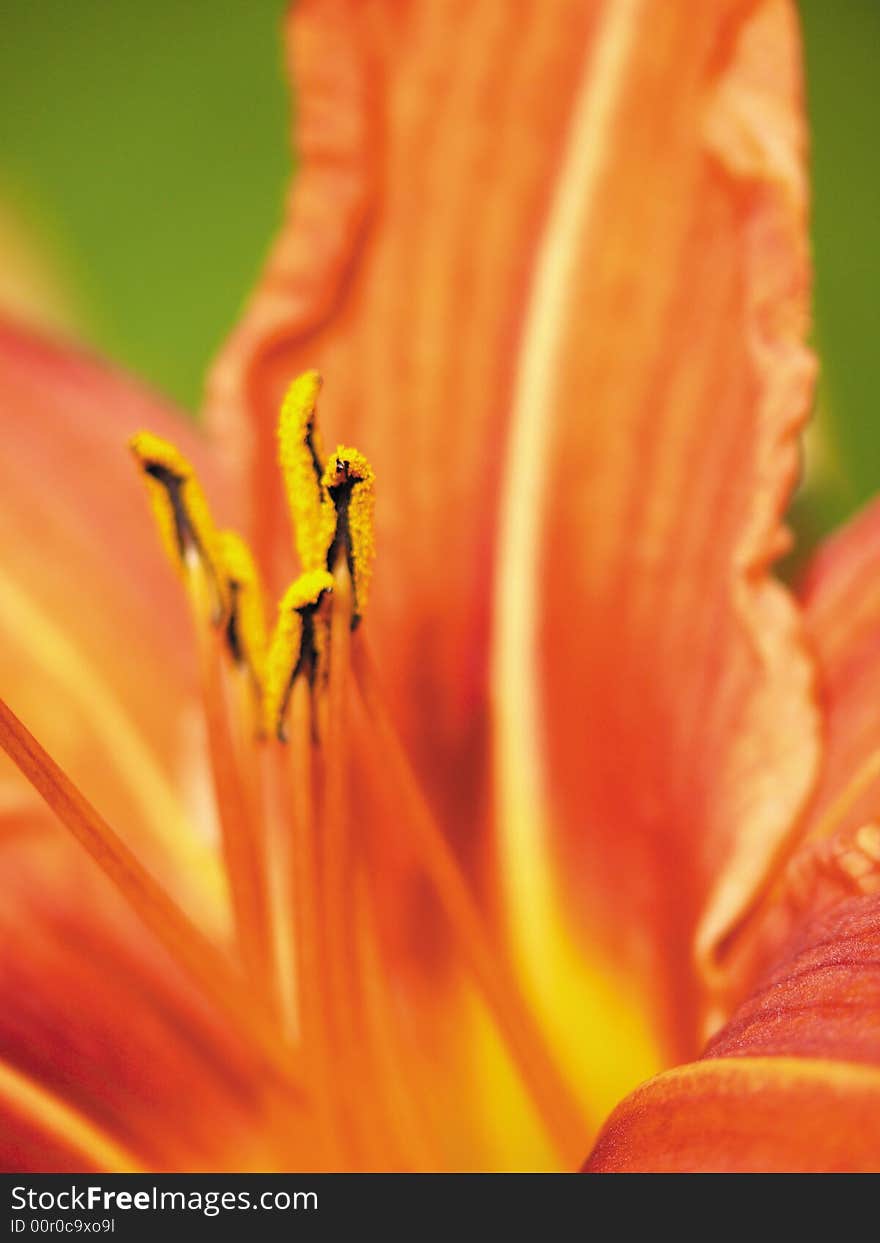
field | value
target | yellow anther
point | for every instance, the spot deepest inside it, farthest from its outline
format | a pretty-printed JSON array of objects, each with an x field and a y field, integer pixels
[
  {"x": 350, "y": 482},
  {"x": 182, "y": 515},
  {"x": 331, "y": 504},
  {"x": 296, "y": 645},
  {"x": 281, "y": 662},
  {"x": 246, "y": 625},
  {"x": 301, "y": 458},
  {"x": 307, "y": 591}
]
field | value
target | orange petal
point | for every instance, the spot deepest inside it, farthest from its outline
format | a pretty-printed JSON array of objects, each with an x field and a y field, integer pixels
[
  {"x": 823, "y": 997},
  {"x": 841, "y": 602},
  {"x": 109, "y": 1058},
  {"x": 654, "y": 689},
  {"x": 97, "y": 654},
  {"x": 840, "y": 838},
  {"x": 791, "y": 1083},
  {"x": 747, "y": 1115}
]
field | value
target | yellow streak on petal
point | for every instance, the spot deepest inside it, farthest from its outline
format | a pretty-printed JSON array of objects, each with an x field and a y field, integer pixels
[
  {"x": 577, "y": 996},
  {"x": 301, "y": 459},
  {"x": 720, "y": 1076},
  {"x": 53, "y": 1117},
  {"x": 90, "y": 699},
  {"x": 502, "y": 1113}
]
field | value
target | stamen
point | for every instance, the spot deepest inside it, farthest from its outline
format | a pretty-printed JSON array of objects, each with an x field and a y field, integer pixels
[
  {"x": 150, "y": 902},
  {"x": 296, "y": 646},
  {"x": 240, "y": 845},
  {"x": 246, "y": 623},
  {"x": 350, "y": 482},
  {"x": 296, "y": 671},
  {"x": 279, "y": 844},
  {"x": 540, "y": 1074},
  {"x": 245, "y": 641},
  {"x": 214, "y": 568},
  {"x": 321, "y": 933},
  {"x": 338, "y": 889},
  {"x": 53, "y": 1117},
  {"x": 331, "y": 505},
  {"x": 182, "y": 514},
  {"x": 302, "y": 465},
  {"x": 310, "y": 949},
  {"x": 294, "y": 665}
]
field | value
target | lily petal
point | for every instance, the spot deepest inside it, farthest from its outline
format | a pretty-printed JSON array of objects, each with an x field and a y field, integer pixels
[
  {"x": 822, "y": 999},
  {"x": 655, "y": 690},
  {"x": 841, "y": 606},
  {"x": 97, "y": 652},
  {"x": 747, "y": 1115},
  {"x": 792, "y": 1082},
  {"x": 109, "y": 1057}
]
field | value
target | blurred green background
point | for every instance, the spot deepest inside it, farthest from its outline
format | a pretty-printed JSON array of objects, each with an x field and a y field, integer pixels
[
  {"x": 155, "y": 212},
  {"x": 145, "y": 143}
]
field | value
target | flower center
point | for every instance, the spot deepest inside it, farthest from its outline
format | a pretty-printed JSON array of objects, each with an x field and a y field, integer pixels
[
  {"x": 316, "y": 992},
  {"x": 283, "y": 776}
]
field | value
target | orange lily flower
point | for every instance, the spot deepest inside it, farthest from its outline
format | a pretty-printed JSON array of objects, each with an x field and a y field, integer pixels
[{"x": 585, "y": 786}]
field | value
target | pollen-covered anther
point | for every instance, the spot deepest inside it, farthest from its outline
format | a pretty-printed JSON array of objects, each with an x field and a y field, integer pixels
[
  {"x": 183, "y": 517},
  {"x": 246, "y": 635},
  {"x": 301, "y": 458},
  {"x": 297, "y": 646},
  {"x": 350, "y": 483}
]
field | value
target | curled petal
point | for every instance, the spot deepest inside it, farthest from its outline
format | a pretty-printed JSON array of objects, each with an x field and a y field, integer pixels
[
  {"x": 838, "y": 837},
  {"x": 791, "y": 1083},
  {"x": 747, "y": 1115},
  {"x": 822, "y": 999}
]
